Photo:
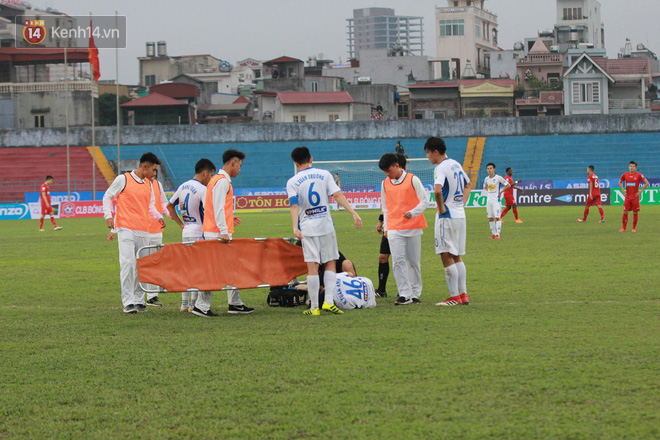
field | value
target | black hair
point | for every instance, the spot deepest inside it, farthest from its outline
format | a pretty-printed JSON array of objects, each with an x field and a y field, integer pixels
[
  {"x": 435, "y": 144},
  {"x": 204, "y": 164},
  {"x": 387, "y": 160},
  {"x": 489, "y": 164},
  {"x": 508, "y": 169},
  {"x": 49, "y": 177},
  {"x": 230, "y": 154},
  {"x": 591, "y": 167},
  {"x": 149, "y": 157},
  {"x": 632, "y": 162},
  {"x": 401, "y": 158},
  {"x": 301, "y": 155}
]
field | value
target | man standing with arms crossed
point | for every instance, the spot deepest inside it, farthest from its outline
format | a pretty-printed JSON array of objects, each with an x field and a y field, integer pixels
[
  {"x": 190, "y": 198},
  {"x": 46, "y": 206},
  {"x": 450, "y": 185},
  {"x": 632, "y": 179},
  {"x": 309, "y": 192},
  {"x": 594, "y": 195},
  {"x": 219, "y": 222},
  {"x": 403, "y": 203},
  {"x": 135, "y": 206}
]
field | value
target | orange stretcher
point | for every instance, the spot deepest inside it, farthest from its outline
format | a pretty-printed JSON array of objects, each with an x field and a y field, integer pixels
[{"x": 243, "y": 263}]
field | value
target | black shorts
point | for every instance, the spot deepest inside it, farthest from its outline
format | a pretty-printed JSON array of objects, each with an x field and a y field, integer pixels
[{"x": 385, "y": 246}]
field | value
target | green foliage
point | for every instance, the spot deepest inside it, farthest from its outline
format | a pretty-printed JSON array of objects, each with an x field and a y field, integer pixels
[
  {"x": 560, "y": 342},
  {"x": 108, "y": 108}
]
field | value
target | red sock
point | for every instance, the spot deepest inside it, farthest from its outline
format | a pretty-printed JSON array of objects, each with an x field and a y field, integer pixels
[
  {"x": 634, "y": 221},
  {"x": 515, "y": 212},
  {"x": 504, "y": 212},
  {"x": 602, "y": 213},
  {"x": 586, "y": 214},
  {"x": 625, "y": 221},
  {"x": 52, "y": 219},
  {"x": 41, "y": 223}
]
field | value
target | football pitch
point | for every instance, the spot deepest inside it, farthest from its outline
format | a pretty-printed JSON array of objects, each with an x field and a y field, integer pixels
[{"x": 561, "y": 340}]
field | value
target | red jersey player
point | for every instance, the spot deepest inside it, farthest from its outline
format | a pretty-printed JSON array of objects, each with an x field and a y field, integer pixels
[
  {"x": 594, "y": 195},
  {"x": 46, "y": 206},
  {"x": 632, "y": 180},
  {"x": 509, "y": 198}
]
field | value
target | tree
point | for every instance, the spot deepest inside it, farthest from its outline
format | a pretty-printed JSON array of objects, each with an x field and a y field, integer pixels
[{"x": 108, "y": 108}]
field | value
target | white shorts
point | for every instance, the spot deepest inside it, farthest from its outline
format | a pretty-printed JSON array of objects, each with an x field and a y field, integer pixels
[
  {"x": 320, "y": 249},
  {"x": 450, "y": 235},
  {"x": 494, "y": 209}
]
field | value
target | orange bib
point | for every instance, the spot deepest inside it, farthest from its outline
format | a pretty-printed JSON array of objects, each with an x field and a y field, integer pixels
[
  {"x": 209, "y": 224},
  {"x": 133, "y": 205},
  {"x": 400, "y": 199}
]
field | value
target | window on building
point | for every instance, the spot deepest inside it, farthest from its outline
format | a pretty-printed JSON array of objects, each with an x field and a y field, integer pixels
[
  {"x": 39, "y": 121},
  {"x": 450, "y": 28},
  {"x": 333, "y": 118},
  {"x": 553, "y": 78},
  {"x": 477, "y": 28},
  {"x": 149, "y": 80},
  {"x": 586, "y": 93},
  {"x": 402, "y": 110},
  {"x": 315, "y": 86},
  {"x": 439, "y": 115},
  {"x": 298, "y": 118},
  {"x": 419, "y": 116}
]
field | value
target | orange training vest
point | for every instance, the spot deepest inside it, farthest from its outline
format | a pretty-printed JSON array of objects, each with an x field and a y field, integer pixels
[
  {"x": 133, "y": 205},
  {"x": 154, "y": 226},
  {"x": 400, "y": 199},
  {"x": 209, "y": 224}
]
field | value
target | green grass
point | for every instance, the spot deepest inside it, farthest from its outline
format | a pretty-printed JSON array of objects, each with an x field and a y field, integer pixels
[{"x": 561, "y": 341}]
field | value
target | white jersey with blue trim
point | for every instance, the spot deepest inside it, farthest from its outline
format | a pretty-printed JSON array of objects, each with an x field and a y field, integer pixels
[
  {"x": 190, "y": 199},
  {"x": 453, "y": 179},
  {"x": 311, "y": 189},
  {"x": 493, "y": 186},
  {"x": 354, "y": 293}
]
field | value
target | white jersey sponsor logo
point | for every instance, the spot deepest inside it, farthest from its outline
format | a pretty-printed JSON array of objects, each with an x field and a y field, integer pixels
[
  {"x": 190, "y": 199},
  {"x": 311, "y": 189}
]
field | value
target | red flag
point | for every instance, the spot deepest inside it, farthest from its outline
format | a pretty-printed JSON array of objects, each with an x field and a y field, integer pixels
[{"x": 93, "y": 55}]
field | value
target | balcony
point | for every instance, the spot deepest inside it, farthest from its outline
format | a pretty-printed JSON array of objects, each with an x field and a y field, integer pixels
[
  {"x": 55, "y": 86},
  {"x": 629, "y": 104}
]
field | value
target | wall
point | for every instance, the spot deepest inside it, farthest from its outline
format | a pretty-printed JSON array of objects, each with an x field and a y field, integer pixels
[{"x": 412, "y": 129}]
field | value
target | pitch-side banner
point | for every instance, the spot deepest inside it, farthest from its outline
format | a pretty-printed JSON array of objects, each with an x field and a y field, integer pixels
[
  {"x": 650, "y": 196},
  {"x": 559, "y": 197}
]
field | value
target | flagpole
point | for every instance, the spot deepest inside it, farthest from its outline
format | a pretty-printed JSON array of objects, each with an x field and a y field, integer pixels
[
  {"x": 117, "y": 93},
  {"x": 93, "y": 131},
  {"x": 66, "y": 122}
]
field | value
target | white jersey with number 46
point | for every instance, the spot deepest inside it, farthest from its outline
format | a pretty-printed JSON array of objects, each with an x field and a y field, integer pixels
[{"x": 354, "y": 293}]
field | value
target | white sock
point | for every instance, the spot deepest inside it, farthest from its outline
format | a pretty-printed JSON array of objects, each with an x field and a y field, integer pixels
[
  {"x": 193, "y": 297},
  {"x": 451, "y": 276},
  {"x": 313, "y": 285},
  {"x": 498, "y": 227},
  {"x": 462, "y": 277},
  {"x": 330, "y": 283},
  {"x": 492, "y": 228},
  {"x": 185, "y": 298}
]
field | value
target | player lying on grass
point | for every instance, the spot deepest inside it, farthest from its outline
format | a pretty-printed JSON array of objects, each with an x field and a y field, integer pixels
[{"x": 353, "y": 292}]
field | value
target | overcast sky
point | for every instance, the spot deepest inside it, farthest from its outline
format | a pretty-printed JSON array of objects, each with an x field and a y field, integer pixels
[{"x": 265, "y": 29}]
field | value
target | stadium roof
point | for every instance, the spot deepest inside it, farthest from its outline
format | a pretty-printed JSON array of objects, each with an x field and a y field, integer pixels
[{"x": 315, "y": 98}]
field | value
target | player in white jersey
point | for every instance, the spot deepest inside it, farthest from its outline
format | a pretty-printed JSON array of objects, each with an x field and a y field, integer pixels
[
  {"x": 494, "y": 184},
  {"x": 452, "y": 190},
  {"x": 309, "y": 192},
  {"x": 190, "y": 199},
  {"x": 354, "y": 292}
]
